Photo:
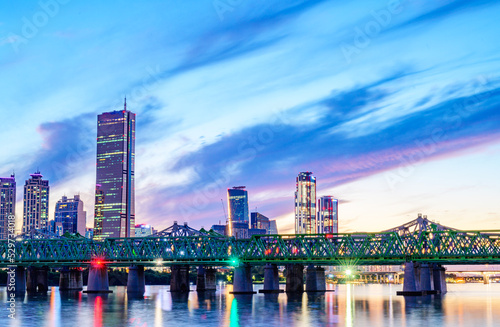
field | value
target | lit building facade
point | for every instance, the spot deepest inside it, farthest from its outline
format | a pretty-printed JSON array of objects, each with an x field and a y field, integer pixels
[
  {"x": 143, "y": 230},
  {"x": 273, "y": 228},
  {"x": 7, "y": 204},
  {"x": 328, "y": 209},
  {"x": 305, "y": 204},
  {"x": 36, "y": 203},
  {"x": 237, "y": 202},
  {"x": 259, "y": 221},
  {"x": 70, "y": 213},
  {"x": 115, "y": 175}
]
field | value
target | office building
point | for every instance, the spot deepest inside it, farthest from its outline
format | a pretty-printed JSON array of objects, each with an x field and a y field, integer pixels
[
  {"x": 327, "y": 220},
  {"x": 305, "y": 204},
  {"x": 143, "y": 230},
  {"x": 237, "y": 202},
  {"x": 220, "y": 229},
  {"x": 273, "y": 228},
  {"x": 89, "y": 233},
  {"x": 36, "y": 203},
  {"x": 70, "y": 213},
  {"x": 115, "y": 198},
  {"x": 7, "y": 204},
  {"x": 259, "y": 221}
]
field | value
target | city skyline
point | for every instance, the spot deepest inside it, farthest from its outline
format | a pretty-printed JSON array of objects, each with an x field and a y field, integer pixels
[{"x": 253, "y": 95}]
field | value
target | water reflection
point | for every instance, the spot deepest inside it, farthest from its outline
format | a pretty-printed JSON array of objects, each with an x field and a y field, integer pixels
[{"x": 349, "y": 305}]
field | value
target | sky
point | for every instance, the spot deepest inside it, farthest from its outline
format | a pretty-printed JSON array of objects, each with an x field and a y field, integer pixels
[{"x": 393, "y": 105}]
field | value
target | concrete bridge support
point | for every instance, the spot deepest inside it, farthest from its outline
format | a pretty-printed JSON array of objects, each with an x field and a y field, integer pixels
[
  {"x": 426, "y": 278},
  {"x": 242, "y": 280},
  {"x": 439, "y": 275},
  {"x": 271, "y": 279},
  {"x": 205, "y": 280},
  {"x": 136, "y": 283},
  {"x": 423, "y": 279},
  {"x": 179, "y": 279},
  {"x": 70, "y": 279},
  {"x": 315, "y": 279},
  {"x": 294, "y": 278},
  {"x": 37, "y": 280},
  {"x": 98, "y": 279}
]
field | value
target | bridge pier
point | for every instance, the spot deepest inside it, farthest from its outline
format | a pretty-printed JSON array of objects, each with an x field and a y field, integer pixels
[
  {"x": 70, "y": 279},
  {"x": 98, "y": 279},
  {"x": 439, "y": 275},
  {"x": 37, "y": 279},
  {"x": 205, "y": 280},
  {"x": 179, "y": 279},
  {"x": 294, "y": 278},
  {"x": 426, "y": 278},
  {"x": 423, "y": 279},
  {"x": 135, "y": 280},
  {"x": 271, "y": 279},
  {"x": 242, "y": 280},
  {"x": 315, "y": 279}
]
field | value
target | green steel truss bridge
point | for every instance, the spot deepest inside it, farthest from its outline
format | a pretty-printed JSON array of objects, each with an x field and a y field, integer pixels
[{"x": 418, "y": 240}]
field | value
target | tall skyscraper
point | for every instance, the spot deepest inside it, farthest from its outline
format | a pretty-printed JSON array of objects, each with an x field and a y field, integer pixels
[
  {"x": 7, "y": 204},
  {"x": 98, "y": 210},
  {"x": 237, "y": 202},
  {"x": 70, "y": 213},
  {"x": 115, "y": 174},
  {"x": 305, "y": 204},
  {"x": 328, "y": 208},
  {"x": 36, "y": 203}
]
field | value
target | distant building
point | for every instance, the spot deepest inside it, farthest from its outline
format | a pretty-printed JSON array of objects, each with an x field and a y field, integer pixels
[
  {"x": 256, "y": 231},
  {"x": 89, "y": 233},
  {"x": 221, "y": 229},
  {"x": 143, "y": 230},
  {"x": 239, "y": 230},
  {"x": 259, "y": 221},
  {"x": 7, "y": 204},
  {"x": 70, "y": 213},
  {"x": 36, "y": 203},
  {"x": 305, "y": 204},
  {"x": 115, "y": 174},
  {"x": 327, "y": 221},
  {"x": 273, "y": 229},
  {"x": 237, "y": 202}
]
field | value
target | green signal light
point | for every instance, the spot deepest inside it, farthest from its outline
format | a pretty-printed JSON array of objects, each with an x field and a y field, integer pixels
[{"x": 234, "y": 262}]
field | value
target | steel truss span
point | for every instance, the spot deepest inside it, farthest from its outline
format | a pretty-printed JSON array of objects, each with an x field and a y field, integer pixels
[{"x": 446, "y": 247}]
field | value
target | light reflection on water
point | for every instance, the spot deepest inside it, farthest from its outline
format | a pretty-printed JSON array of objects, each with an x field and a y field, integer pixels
[{"x": 349, "y": 305}]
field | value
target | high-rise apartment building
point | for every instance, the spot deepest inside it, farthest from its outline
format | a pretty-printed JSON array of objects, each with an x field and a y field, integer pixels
[
  {"x": 70, "y": 213},
  {"x": 115, "y": 174},
  {"x": 237, "y": 202},
  {"x": 36, "y": 203},
  {"x": 305, "y": 204},
  {"x": 327, "y": 221},
  {"x": 7, "y": 204}
]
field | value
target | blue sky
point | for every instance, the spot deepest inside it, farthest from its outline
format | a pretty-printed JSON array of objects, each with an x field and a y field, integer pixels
[{"x": 393, "y": 105}]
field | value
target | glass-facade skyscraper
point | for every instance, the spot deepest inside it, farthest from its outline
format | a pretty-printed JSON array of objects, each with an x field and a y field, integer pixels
[
  {"x": 115, "y": 175},
  {"x": 328, "y": 208},
  {"x": 70, "y": 213},
  {"x": 305, "y": 204},
  {"x": 7, "y": 204},
  {"x": 237, "y": 202},
  {"x": 36, "y": 203}
]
